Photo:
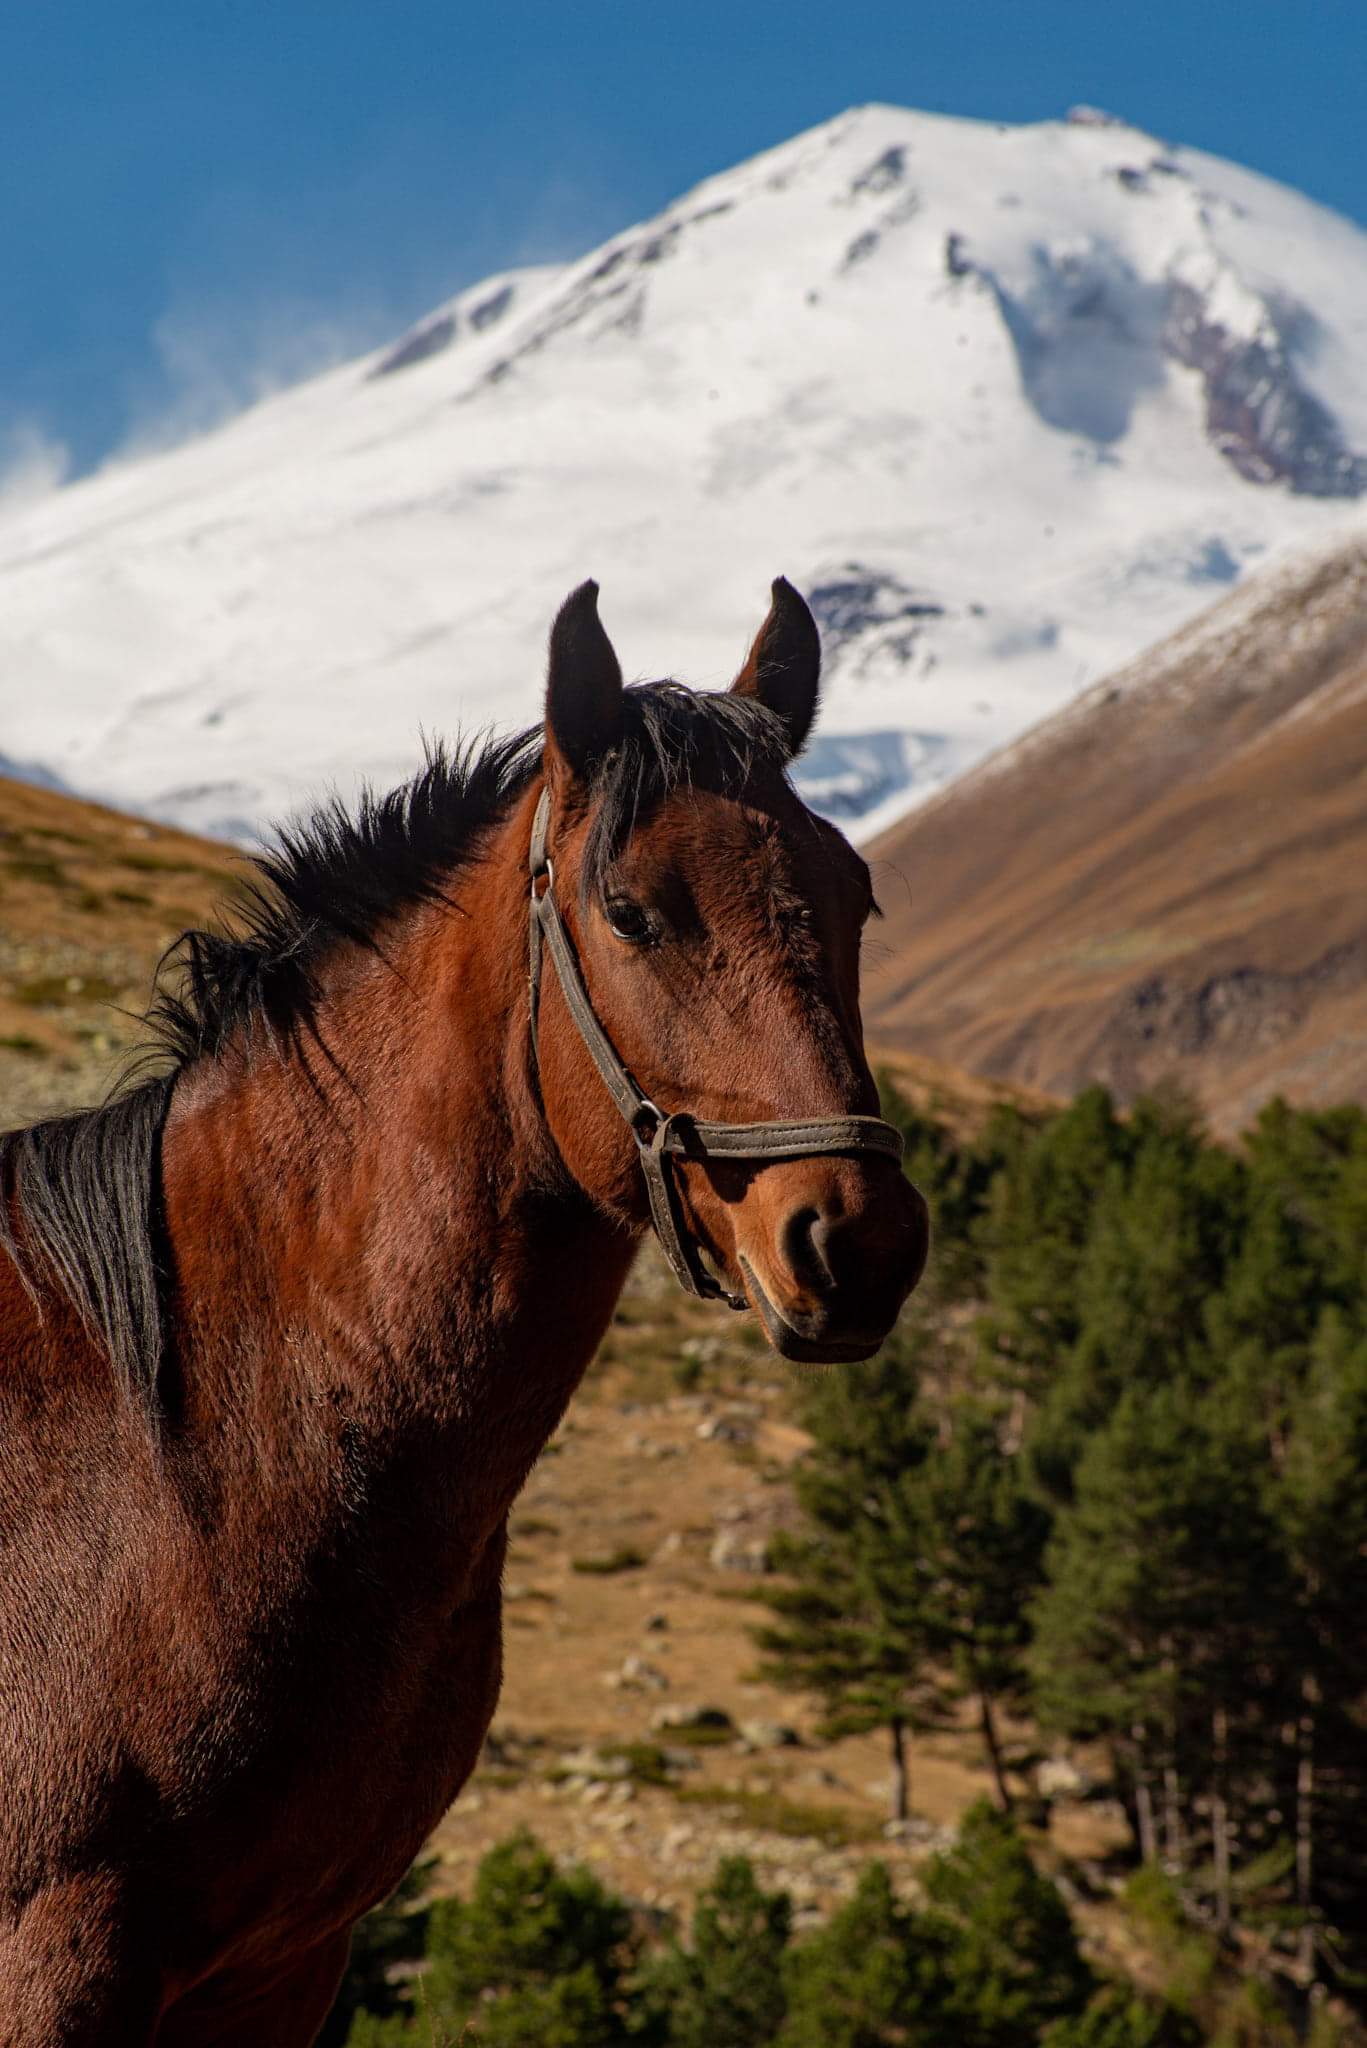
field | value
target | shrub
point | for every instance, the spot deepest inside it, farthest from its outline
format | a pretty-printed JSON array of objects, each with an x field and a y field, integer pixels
[
  {"x": 725, "y": 1990},
  {"x": 1011, "y": 1949},
  {"x": 873, "y": 1977}
]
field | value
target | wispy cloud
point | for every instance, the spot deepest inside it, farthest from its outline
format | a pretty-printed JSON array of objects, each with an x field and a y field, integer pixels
[
  {"x": 258, "y": 298},
  {"x": 215, "y": 357},
  {"x": 32, "y": 464}
]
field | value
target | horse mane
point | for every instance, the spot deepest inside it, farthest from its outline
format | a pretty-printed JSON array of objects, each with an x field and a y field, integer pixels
[
  {"x": 338, "y": 875},
  {"x": 79, "y": 1193}
]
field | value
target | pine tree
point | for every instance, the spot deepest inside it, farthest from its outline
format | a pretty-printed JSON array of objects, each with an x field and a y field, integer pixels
[
  {"x": 1011, "y": 1950},
  {"x": 725, "y": 1989},
  {"x": 1315, "y": 1164},
  {"x": 1035, "y": 1233},
  {"x": 536, "y": 1958},
  {"x": 965, "y": 1524},
  {"x": 1161, "y": 1224},
  {"x": 1120, "y": 2018},
  {"x": 850, "y": 1619},
  {"x": 1321, "y": 1502},
  {"x": 874, "y": 1977},
  {"x": 1153, "y": 1626}
]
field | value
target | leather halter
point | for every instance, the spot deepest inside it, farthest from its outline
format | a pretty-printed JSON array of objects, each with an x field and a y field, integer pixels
[{"x": 662, "y": 1137}]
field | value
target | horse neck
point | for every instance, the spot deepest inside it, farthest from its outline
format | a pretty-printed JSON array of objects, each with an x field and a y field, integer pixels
[{"x": 377, "y": 1221}]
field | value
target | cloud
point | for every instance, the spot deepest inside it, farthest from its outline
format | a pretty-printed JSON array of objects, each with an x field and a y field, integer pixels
[
  {"x": 33, "y": 463},
  {"x": 259, "y": 294},
  {"x": 217, "y": 356}
]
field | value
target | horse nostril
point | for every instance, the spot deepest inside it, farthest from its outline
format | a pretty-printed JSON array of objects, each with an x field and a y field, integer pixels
[
  {"x": 795, "y": 1245},
  {"x": 822, "y": 1232},
  {"x": 803, "y": 1242}
]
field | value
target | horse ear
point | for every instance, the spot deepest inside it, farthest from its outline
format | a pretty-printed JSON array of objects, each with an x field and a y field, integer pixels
[
  {"x": 783, "y": 668},
  {"x": 583, "y": 686}
]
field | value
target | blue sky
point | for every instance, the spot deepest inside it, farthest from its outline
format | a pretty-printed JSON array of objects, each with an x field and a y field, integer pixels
[{"x": 200, "y": 200}]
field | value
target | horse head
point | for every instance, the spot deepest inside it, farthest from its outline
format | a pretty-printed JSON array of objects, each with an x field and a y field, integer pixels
[{"x": 705, "y": 928}]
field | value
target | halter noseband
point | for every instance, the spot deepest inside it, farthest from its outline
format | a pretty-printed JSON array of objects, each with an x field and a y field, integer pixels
[{"x": 663, "y": 1137}]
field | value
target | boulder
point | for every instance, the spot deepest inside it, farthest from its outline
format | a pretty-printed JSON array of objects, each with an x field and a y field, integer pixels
[
  {"x": 732, "y": 1552},
  {"x": 1058, "y": 1777},
  {"x": 637, "y": 1675},
  {"x": 714, "y": 1720},
  {"x": 769, "y": 1735}
]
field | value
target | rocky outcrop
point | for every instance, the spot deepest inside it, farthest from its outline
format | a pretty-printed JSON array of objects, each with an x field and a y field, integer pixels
[
  {"x": 1258, "y": 414},
  {"x": 1094, "y": 332}
]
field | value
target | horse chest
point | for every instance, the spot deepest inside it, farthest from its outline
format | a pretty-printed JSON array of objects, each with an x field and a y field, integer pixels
[
  {"x": 388, "y": 1761},
  {"x": 345, "y": 1783},
  {"x": 390, "y": 1685}
]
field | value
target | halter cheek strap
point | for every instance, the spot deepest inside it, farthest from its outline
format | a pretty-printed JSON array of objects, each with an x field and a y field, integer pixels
[{"x": 662, "y": 1137}]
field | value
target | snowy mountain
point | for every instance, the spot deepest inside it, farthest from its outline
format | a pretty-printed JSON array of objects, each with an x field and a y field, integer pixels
[{"x": 1008, "y": 403}]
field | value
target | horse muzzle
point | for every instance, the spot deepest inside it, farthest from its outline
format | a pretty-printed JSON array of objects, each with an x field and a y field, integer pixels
[{"x": 832, "y": 1289}]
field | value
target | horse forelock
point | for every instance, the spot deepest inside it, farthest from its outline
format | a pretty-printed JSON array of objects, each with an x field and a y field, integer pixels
[{"x": 675, "y": 738}]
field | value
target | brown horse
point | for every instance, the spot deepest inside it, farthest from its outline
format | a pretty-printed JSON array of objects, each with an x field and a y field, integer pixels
[{"x": 286, "y": 1324}]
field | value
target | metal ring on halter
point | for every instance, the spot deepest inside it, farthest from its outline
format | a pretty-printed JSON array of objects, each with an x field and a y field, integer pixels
[{"x": 657, "y": 1120}]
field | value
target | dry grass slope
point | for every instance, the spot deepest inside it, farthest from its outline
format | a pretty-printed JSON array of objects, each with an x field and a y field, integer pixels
[{"x": 89, "y": 900}]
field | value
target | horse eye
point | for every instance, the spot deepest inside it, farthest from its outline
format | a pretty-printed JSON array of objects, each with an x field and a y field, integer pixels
[{"x": 629, "y": 921}]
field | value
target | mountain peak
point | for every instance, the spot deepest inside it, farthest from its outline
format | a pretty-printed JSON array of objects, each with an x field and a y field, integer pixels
[{"x": 1010, "y": 401}]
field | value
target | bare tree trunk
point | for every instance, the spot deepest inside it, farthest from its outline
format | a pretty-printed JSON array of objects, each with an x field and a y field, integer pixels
[
  {"x": 988, "y": 1725},
  {"x": 1305, "y": 1827},
  {"x": 1143, "y": 1801},
  {"x": 1219, "y": 1820},
  {"x": 901, "y": 1780},
  {"x": 1174, "y": 1846}
]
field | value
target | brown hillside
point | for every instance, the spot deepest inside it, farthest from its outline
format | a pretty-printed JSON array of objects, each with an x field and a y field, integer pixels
[
  {"x": 89, "y": 899},
  {"x": 1167, "y": 881}
]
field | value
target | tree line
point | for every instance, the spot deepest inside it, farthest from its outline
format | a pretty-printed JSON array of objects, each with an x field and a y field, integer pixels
[
  {"x": 543, "y": 1957},
  {"x": 1112, "y": 1475}
]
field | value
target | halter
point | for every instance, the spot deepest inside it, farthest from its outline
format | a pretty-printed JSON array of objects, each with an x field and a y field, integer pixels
[{"x": 662, "y": 1137}]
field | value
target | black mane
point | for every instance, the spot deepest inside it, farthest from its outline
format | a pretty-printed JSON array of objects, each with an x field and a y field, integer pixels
[
  {"x": 79, "y": 1202},
  {"x": 339, "y": 875}
]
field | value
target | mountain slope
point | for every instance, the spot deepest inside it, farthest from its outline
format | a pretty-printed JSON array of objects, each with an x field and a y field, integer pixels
[
  {"x": 89, "y": 901},
  {"x": 1164, "y": 880},
  {"x": 1006, "y": 402}
]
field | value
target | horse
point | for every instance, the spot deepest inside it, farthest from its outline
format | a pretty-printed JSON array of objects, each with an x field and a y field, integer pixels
[{"x": 288, "y": 1319}]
